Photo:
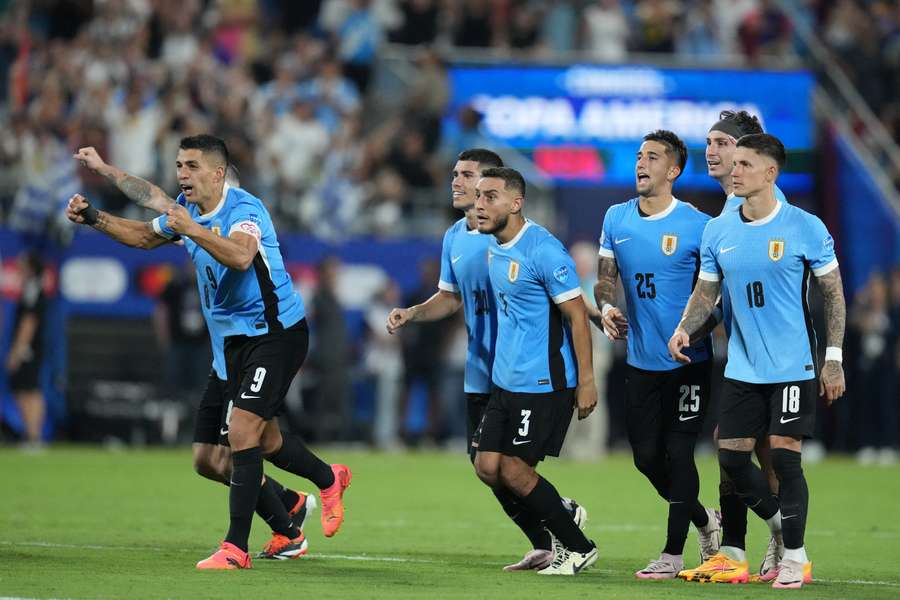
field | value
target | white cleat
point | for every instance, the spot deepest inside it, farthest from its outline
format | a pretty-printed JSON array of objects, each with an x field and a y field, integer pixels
[
  {"x": 661, "y": 569},
  {"x": 768, "y": 570},
  {"x": 710, "y": 537},
  {"x": 792, "y": 575},
  {"x": 569, "y": 562},
  {"x": 534, "y": 560}
]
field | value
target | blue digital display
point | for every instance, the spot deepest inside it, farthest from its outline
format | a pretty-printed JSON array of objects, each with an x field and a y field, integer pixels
[{"x": 586, "y": 122}]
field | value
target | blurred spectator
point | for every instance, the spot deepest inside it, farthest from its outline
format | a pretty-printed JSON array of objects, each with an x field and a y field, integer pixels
[
  {"x": 700, "y": 32},
  {"x": 329, "y": 357},
  {"x": 656, "y": 21},
  {"x": 559, "y": 26},
  {"x": 359, "y": 36},
  {"x": 419, "y": 22},
  {"x": 335, "y": 96},
  {"x": 182, "y": 336},
  {"x": 606, "y": 31},
  {"x": 406, "y": 158},
  {"x": 765, "y": 30},
  {"x": 472, "y": 24},
  {"x": 383, "y": 361},
  {"x": 26, "y": 353}
]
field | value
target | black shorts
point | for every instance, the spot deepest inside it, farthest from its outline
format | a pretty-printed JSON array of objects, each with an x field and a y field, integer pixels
[
  {"x": 211, "y": 420},
  {"x": 661, "y": 401},
  {"x": 26, "y": 378},
  {"x": 475, "y": 405},
  {"x": 529, "y": 426},
  {"x": 753, "y": 410},
  {"x": 261, "y": 368}
]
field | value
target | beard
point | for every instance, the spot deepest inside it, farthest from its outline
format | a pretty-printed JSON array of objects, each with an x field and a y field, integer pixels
[{"x": 496, "y": 225}]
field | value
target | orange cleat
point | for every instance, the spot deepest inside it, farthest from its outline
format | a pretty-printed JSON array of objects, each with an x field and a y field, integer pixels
[
  {"x": 306, "y": 503},
  {"x": 718, "y": 569},
  {"x": 228, "y": 556},
  {"x": 332, "y": 504},
  {"x": 281, "y": 547}
]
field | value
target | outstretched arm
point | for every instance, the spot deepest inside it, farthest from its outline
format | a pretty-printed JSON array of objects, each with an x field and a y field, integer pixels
[
  {"x": 141, "y": 192},
  {"x": 700, "y": 306},
  {"x": 612, "y": 320},
  {"x": 586, "y": 391},
  {"x": 137, "y": 234},
  {"x": 831, "y": 381},
  {"x": 441, "y": 304}
]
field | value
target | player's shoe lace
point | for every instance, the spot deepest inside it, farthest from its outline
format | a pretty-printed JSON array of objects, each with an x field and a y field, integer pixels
[
  {"x": 710, "y": 537},
  {"x": 768, "y": 569},
  {"x": 569, "y": 562}
]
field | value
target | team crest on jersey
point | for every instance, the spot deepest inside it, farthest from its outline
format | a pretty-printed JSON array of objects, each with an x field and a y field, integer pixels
[
  {"x": 669, "y": 243},
  {"x": 513, "y": 272},
  {"x": 216, "y": 230},
  {"x": 776, "y": 249}
]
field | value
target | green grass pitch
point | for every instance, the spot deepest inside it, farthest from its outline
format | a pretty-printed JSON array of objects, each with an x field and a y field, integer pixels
[{"x": 88, "y": 523}]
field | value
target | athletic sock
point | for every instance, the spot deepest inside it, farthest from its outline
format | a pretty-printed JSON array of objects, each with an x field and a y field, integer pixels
[
  {"x": 733, "y": 553},
  {"x": 699, "y": 517},
  {"x": 288, "y": 497},
  {"x": 677, "y": 527},
  {"x": 243, "y": 494},
  {"x": 794, "y": 496},
  {"x": 270, "y": 508},
  {"x": 544, "y": 502},
  {"x": 796, "y": 555},
  {"x": 530, "y": 525},
  {"x": 734, "y": 514},
  {"x": 294, "y": 457},
  {"x": 684, "y": 487}
]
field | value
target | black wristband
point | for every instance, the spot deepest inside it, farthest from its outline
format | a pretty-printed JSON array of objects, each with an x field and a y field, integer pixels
[{"x": 90, "y": 215}]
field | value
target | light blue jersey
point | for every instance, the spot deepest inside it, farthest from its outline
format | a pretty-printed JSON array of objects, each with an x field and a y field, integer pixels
[
  {"x": 464, "y": 271},
  {"x": 765, "y": 266},
  {"x": 658, "y": 257},
  {"x": 733, "y": 202},
  {"x": 252, "y": 302},
  {"x": 530, "y": 275}
]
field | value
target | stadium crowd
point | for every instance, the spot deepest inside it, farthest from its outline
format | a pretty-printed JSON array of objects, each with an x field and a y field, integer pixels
[{"x": 131, "y": 77}]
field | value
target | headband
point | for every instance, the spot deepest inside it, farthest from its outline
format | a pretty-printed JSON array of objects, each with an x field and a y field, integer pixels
[{"x": 729, "y": 128}]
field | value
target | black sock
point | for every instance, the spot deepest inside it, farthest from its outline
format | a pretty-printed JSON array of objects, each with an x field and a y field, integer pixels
[
  {"x": 531, "y": 526},
  {"x": 243, "y": 494},
  {"x": 288, "y": 497},
  {"x": 650, "y": 460},
  {"x": 270, "y": 508},
  {"x": 294, "y": 457},
  {"x": 750, "y": 482},
  {"x": 794, "y": 496},
  {"x": 683, "y": 490},
  {"x": 734, "y": 514},
  {"x": 545, "y": 503}
]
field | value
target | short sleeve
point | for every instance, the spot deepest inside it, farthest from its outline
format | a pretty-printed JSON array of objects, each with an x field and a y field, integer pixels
[
  {"x": 556, "y": 270},
  {"x": 447, "y": 281},
  {"x": 819, "y": 248},
  {"x": 709, "y": 266},
  {"x": 606, "y": 236},
  {"x": 246, "y": 218}
]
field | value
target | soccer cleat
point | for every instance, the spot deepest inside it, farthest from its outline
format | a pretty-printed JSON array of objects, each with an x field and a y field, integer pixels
[
  {"x": 535, "y": 559},
  {"x": 710, "y": 538},
  {"x": 579, "y": 514},
  {"x": 306, "y": 503},
  {"x": 228, "y": 556},
  {"x": 332, "y": 504},
  {"x": 768, "y": 570},
  {"x": 281, "y": 547},
  {"x": 569, "y": 562},
  {"x": 719, "y": 569},
  {"x": 660, "y": 569},
  {"x": 792, "y": 575}
]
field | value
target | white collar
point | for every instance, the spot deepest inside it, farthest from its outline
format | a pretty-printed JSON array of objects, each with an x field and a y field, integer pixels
[
  {"x": 219, "y": 206},
  {"x": 662, "y": 214},
  {"x": 518, "y": 237},
  {"x": 766, "y": 219}
]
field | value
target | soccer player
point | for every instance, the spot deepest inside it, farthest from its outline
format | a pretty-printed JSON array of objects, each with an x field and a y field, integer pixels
[
  {"x": 654, "y": 242},
  {"x": 764, "y": 253},
  {"x": 253, "y": 306},
  {"x": 211, "y": 453},
  {"x": 542, "y": 362},
  {"x": 464, "y": 282},
  {"x": 721, "y": 142}
]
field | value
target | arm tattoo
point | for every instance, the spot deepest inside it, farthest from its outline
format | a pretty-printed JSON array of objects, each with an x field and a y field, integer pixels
[
  {"x": 102, "y": 223},
  {"x": 135, "y": 188},
  {"x": 835, "y": 308},
  {"x": 605, "y": 288},
  {"x": 700, "y": 306}
]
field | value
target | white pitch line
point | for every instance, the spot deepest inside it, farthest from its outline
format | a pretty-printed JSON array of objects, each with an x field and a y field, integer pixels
[{"x": 364, "y": 557}]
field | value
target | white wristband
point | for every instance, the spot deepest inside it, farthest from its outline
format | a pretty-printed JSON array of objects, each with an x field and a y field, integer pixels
[
  {"x": 832, "y": 353},
  {"x": 606, "y": 308}
]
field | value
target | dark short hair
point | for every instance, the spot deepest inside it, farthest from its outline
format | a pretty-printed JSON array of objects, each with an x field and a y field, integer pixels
[
  {"x": 484, "y": 157},
  {"x": 673, "y": 145},
  {"x": 512, "y": 179},
  {"x": 748, "y": 124},
  {"x": 207, "y": 144},
  {"x": 765, "y": 144}
]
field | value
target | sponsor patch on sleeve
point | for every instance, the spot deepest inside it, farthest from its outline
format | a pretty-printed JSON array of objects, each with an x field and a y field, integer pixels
[
  {"x": 248, "y": 227},
  {"x": 561, "y": 274}
]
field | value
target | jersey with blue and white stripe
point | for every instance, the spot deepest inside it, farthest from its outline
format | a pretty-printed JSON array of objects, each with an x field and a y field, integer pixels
[
  {"x": 765, "y": 266},
  {"x": 252, "y": 302},
  {"x": 464, "y": 271},
  {"x": 658, "y": 257},
  {"x": 531, "y": 274},
  {"x": 733, "y": 202}
]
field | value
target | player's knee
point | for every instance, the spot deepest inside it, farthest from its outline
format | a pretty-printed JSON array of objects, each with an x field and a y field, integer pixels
[
  {"x": 787, "y": 464},
  {"x": 271, "y": 442},
  {"x": 207, "y": 466},
  {"x": 488, "y": 471},
  {"x": 726, "y": 488},
  {"x": 645, "y": 458},
  {"x": 734, "y": 462}
]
